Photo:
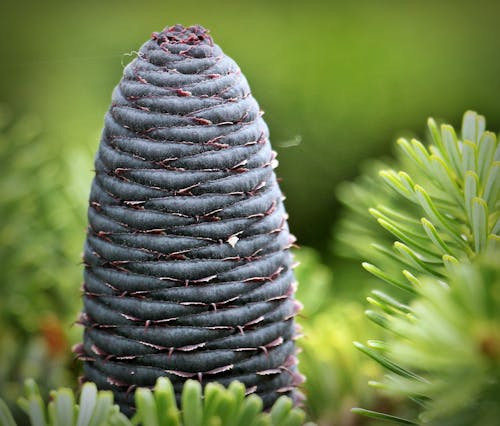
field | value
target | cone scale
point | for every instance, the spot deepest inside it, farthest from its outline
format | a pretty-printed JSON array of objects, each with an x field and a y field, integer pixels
[{"x": 188, "y": 272}]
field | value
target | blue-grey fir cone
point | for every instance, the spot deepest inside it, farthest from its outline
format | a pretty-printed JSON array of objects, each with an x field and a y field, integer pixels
[{"x": 188, "y": 272}]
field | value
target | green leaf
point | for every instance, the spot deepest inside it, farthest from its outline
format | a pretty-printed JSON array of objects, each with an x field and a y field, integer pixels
[
  {"x": 444, "y": 178},
  {"x": 262, "y": 420},
  {"x": 493, "y": 243},
  {"x": 405, "y": 146},
  {"x": 390, "y": 301},
  {"x": 36, "y": 411},
  {"x": 64, "y": 407},
  {"x": 423, "y": 155},
  {"x": 496, "y": 228},
  {"x": 102, "y": 409},
  {"x": 212, "y": 399},
  {"x": 146, "y": 407},
  {"x": 412, "y": 279},
  {"x": 479, "y": 223},
  {"x": 31, "y": 388},
  {"x": 382, "y": 416},
  {"x": 449, "y": 262},
  {"x": 383, "y": 276},
  {"x": 392, "y": 179},
  {"x": 236, "y": 391},
  {"x": 166, "y": 405},
  {"x": 280, "y": 410},
  {"x": 379, "y": 304},
  {"x": 485, "y": 154},
  {"x": 117, "y": 418},
  {"x": 416, "y": 152},
  {"x": 227, "y": 409},
  {"x": 295, "y": 417},
  {"x": 471, "y": 185},
  {"x": 390, "y": 254},
  {"x": 33, "y": 405},
  {"x": 407, "y": 238},
  {"x": 382, "y": 360},
  {"x": 436, "y": 136},
  {"x": 403, "y": 219},
  {"x": 434, "y": 236},
  {"x": 88, "y": 400},
  {"x": 468, "y": 156},
  {"x": 379, "y": 345},
  {"x": 434, "y": 215},
  {"x": 377, "y": 318},
  {"x": 6, "y": 418},
  {"x": 407, "y": 231},
  {"x": 249, "y": 410},
  {"x": 408, "y": 183},
  {"x": 491, "y": 190},
  {"x": 192, "y": 409},
  {"x": 414, "y": 258},
  {"x": 450, "y": 143},
  {"x": 51, "y": 412},
  {"x": 473, "y": 126}
]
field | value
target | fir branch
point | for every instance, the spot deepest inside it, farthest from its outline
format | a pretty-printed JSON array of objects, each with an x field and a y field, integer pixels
[
  {"x": 216, "y": 405},
  {"x": 444, "y": 203},
  {"x": 437, "y": 234}
]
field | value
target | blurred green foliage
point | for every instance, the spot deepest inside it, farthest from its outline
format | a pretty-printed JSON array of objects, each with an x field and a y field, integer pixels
[
  {"x": 42, "y": 209},
  {"x": 337, "y": 374}
]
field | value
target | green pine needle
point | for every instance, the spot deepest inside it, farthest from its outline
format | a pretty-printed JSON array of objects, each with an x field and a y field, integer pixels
[{"x": 382, "y": 416}]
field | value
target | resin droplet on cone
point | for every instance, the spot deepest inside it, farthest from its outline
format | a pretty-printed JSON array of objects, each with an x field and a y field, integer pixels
[{"x": 188, "y": 272}]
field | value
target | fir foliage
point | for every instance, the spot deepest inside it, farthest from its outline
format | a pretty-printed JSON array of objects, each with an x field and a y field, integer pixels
[
  {"x": 41, "y": 205},
  {"x": 436, "y": 239},
  {"x": 337, "y": 374},
  {"x": 215, "y": 406}
]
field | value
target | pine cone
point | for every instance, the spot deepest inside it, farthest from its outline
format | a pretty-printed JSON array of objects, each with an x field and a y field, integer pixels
[{"x": 188, "y": 272}]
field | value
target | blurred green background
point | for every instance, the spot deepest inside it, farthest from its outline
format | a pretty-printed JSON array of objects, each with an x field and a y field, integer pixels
[
  {"x": 342, "y": 77},
  {"x": 338, "y": 82}
]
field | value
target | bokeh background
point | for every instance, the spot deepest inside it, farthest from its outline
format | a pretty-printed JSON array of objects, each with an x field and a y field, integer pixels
[{"x": 338, "y": 81}]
